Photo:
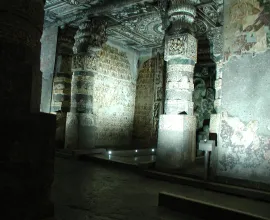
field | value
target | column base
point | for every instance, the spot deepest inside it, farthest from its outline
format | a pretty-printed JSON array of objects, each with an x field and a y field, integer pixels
[
  {"x": 176, "y": 148},
  {"x": 80, "y": 131},
  {"x": 27, "y": 164}
]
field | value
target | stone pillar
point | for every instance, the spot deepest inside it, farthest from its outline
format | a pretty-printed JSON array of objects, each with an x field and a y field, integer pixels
[
  {"x": 81, "y": 126},
  {"x": 63, "y": 73},
  {"x": 177, "y": 127},
  {"x": 62, "y": 81},
  {"x": 27, "y": 156}
]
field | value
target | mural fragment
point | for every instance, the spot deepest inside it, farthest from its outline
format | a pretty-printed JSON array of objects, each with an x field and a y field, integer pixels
[{"x": 248, "y": 27}]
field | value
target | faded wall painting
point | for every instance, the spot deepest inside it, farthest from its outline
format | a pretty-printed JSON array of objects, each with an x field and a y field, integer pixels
[
  {"x": 244, "y": 146},
  {"x": 144, "y": 103},
  {"x": 244, "y": 153},
  {"x": 159, "y": 93},
  {"x": 246, "y": 26},
  {"x": 114, "y": 98}
]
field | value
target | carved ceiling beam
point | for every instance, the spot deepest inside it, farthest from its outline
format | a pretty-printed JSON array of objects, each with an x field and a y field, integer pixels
[
  {"x": 113, "y": 5},
  {"x": 51, "y": 18},
  {"x": 73, "y": 2},
  {"x": 81, "y": 2},
  {"x": 131, "y": 13},
  {"x": 95, "y": 10}
]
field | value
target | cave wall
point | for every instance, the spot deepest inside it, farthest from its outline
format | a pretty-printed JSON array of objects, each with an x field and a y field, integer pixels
[
  {"x": 204, "y": 93},
  {"x": 143, "y": 123},
  {"x": 149, "y": 96},
  {"x": 244, "y": 136},
  {"x": 114, "y": 96},
  {"x": 159, "y": 91},
  {"x": 47, "y": 62}
]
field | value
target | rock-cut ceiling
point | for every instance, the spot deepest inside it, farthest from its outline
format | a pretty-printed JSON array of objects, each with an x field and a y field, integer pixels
[{"x": 135, "y": 23}]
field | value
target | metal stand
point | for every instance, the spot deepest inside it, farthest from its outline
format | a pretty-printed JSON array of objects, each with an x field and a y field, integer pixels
[
  {"x": 206, "y": 164},
  {"x": 207, "y": 146}
]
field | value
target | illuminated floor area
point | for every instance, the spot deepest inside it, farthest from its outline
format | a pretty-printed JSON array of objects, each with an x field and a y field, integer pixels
[
  {"x": 147, "y": 161},
  {"x": 136, "y": 161},
  {"x": 85, "y": 190},
  {"x": 135, "y": 157}
]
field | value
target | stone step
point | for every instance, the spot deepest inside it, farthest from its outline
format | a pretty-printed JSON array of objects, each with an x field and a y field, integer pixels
[
  {"x": 205, "y": 208},
  {"x": 213, "y": 186}
]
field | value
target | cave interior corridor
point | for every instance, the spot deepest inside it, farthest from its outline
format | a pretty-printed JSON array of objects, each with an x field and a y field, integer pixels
[{"x": 135, "y": 109}]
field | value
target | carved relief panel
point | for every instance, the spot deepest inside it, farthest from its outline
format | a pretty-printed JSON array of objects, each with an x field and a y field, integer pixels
[
  {"x": 204, "y": 93},
  {"x": 149, "y": 96},
  {"x": 159, "y": 91},
  {"x": 114, "y": 98},
  {"x": 144, "y": 102}
]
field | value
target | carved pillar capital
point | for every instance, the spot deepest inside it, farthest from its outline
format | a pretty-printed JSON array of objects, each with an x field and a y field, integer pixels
[
  {"x": 183, "y": 46},
  {"x": 65, "y": 41},
  {"x": 181, "y": 14},
  {"x": 91, "y": 36}
]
